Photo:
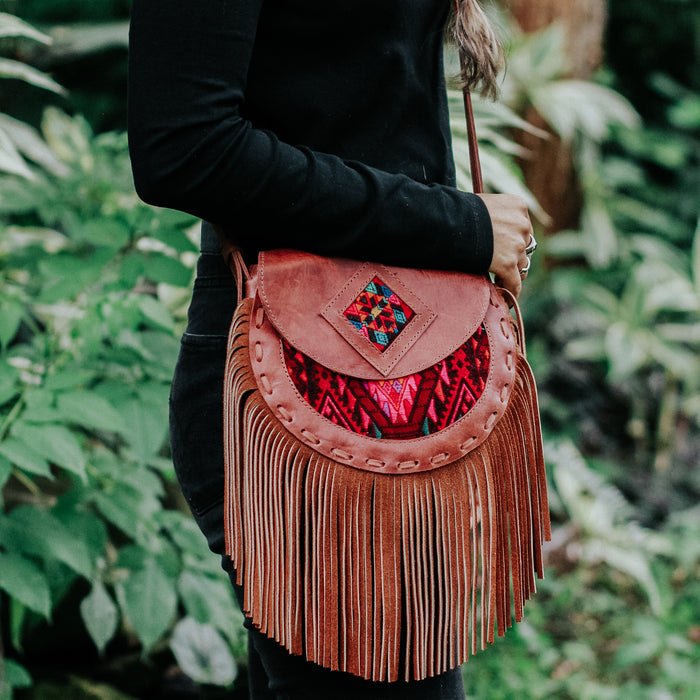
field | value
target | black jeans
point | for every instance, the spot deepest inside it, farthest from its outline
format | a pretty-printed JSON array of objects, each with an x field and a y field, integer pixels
[{"x": 196, "y": 418}]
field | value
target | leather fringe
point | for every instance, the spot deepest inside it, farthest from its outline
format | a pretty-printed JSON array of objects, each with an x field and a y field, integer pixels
[{"x": 381, "y": 576}]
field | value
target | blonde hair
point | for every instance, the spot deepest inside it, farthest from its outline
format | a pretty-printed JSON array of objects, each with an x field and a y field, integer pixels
[{"x": 480, "y": 51}]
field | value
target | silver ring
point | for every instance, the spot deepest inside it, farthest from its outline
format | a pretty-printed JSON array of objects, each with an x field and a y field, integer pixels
[
  {"x": 526, "y": 269},
  {"x": 531, "y": 247}
]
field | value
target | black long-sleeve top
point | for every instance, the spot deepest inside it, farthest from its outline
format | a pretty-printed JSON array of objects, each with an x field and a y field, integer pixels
[{"x": 306, "y": 124}]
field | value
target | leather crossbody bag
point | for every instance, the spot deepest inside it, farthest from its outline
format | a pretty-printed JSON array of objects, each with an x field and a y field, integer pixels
[{"x": 385, "y": 487}]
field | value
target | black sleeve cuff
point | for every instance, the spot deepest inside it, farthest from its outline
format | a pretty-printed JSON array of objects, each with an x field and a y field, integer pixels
[{"x": 470, "y": 244}]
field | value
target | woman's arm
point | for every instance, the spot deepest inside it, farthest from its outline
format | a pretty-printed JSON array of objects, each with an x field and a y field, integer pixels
[{"x": 192, "y": 150}]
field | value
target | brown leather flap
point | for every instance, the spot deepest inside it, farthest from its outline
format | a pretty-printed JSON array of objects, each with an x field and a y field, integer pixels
[{"x": 306, "y": 296}]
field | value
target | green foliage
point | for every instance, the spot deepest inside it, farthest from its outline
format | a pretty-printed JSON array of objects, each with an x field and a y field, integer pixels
[
  {"x": 94, "y": 290},
  {"x": 12, "y": 676},
  {"x": 649, "y": 39},
  {"x": 614, "y": 617},
  {"x": 202, "y": 653},
  {"x": 614, "y": 330},
  {"x": 497, "y": 149},
  {"x": 86, "y": 53},
  {"x": 17, "y": 140},
  {"x": 619, "y": 308},
  {"x": 12, "y": 27}
]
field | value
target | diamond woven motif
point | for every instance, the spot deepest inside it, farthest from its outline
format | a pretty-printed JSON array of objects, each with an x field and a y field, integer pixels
[{"x": 379, "y": 314}]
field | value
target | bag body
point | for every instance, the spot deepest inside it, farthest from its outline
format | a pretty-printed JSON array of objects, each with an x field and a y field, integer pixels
[{"x": 385, "y": 488}]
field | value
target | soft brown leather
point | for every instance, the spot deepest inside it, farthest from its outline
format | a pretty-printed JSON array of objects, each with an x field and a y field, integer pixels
[
  {"x": 305, "y": 295},
  {"x": 474, "y": 160},
  {"x": 342, "y": 445}
]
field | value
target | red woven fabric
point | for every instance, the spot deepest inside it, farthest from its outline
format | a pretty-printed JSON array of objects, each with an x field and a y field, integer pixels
[{"x": 403, "y": 408}]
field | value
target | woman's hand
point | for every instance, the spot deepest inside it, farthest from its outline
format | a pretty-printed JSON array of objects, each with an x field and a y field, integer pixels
[{"x": 512, "y": 229}]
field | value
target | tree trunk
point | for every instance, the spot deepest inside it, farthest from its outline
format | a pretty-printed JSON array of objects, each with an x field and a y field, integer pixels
[{"x": 550, "y": 173}]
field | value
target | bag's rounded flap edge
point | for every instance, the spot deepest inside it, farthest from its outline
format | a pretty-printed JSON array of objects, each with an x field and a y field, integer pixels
[
  {"x": 310, "y": 300},
  {"x": 368, "y": 453}
]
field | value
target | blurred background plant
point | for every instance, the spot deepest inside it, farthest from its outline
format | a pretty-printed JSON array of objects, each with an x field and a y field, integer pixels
[
  {"x": 94, "y": 288},
  {"x": 106, "y": 588}
]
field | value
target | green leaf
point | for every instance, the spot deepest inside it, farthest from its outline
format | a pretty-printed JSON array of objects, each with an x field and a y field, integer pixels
[
  {"x": 638, "y": 653},
  {"x": 11, "y": 314},
  {"x": 207, "y": 599},
  {"x": 202, "y": 654},
  {"x": 128, "y": 509},
  {"x": 155, "y": 312},
  {"x": 627, "y": 349},
  {"x": 18, "y": 616},
  {"x": 8, "y": 382},
  {"x": 116, "y": 392},
  {"x": 68, "y": 137},
  {"x": 590, "y": 348},
  {"x": 683, "y": 671},
  {"x": 5, "y": 471},
  {"x": 41, "y": 414},
  {"x": 135, "y": 557},
  {"x": 146, "y": 428},
  {"x": 141, "y": 479},
  {"x": 67, "y": 275},
  {"x": 12, "y": 26},
  {"x": 100, "y": 616},
  {"x": 183, "y": 531},
  {"x": 83, "y": 524},
  {"x": 21, "y": 71},
  {"x": 16, "y": 197},
  {"x": 37, "y": 397},
  {"x": 91, "y": 411},
  {"x": 163, "y": 268},
  {"x": 77, "y": 40},
  {"x": 122, "y": 316},
  {"x": 600, "y": 234},
  {"x": 664, "y": 288},
  {"x": 163, "y": 348},
  {"x": 149, "y": 601},
  {"x": 685, "y": 114},
  {"x": 578, "y": 106},
  {"x": 131, "y": 268},
  {"x": 28, "y": 142},
  {"x": 24, "y": 456},
  {"x": 210, "y": 600},
  {"x": 14, "y": 676},
  {"x": 22, "y": 580},
  {"x": 68, "y": 377},
  {"x": 54, "y": 442},
  {"x": 105, "y": 232},
  {"x": 155, "y": 394},
  {"x": 632, "y": 561},
  {"x": 538, "y": 57},
  {"x": 38, "y": 532},
  {"x": 10, "y": 159},
  {"x": 176, "y": 239},
  {"x": 163, "y": 218}
]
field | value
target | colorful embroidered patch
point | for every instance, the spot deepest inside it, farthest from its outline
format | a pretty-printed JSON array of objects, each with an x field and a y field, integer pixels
[
  {"x": 379, "y": 314},
  {"x": 396, "y": 409}
]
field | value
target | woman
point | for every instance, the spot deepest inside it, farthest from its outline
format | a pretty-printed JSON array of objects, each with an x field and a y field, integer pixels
[{"x": 310, "y": 125}]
